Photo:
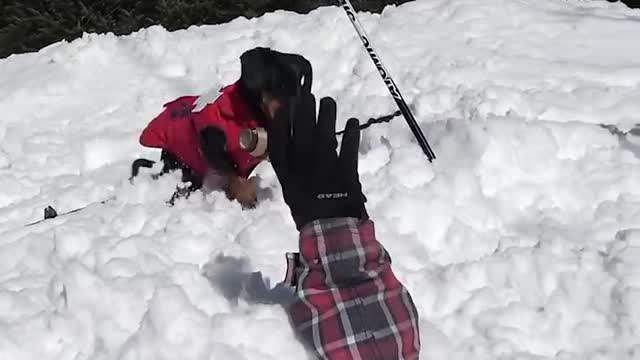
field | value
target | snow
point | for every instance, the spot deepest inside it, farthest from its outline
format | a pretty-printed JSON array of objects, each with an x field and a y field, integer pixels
[{"x": 521, "y": 241}]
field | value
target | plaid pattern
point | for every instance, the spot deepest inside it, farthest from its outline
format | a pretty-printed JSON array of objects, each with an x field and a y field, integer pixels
[{"x": 349, "y": 304}]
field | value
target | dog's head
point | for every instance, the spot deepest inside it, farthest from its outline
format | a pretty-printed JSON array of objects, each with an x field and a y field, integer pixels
[{"x": 278, "y": 75}]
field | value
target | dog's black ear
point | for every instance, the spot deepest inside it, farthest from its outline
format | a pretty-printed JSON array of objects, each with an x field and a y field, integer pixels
[
  {"x": 300, "y": 69},
  {"x": 213, "y": 143}
]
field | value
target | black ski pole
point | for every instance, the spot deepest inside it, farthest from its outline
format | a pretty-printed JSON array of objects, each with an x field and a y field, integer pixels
[
  {"x": 51, "y": 213},
  {"x": 402, "y": 105}
]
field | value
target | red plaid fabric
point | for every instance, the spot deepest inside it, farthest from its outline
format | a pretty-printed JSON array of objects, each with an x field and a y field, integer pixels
[{"x": 349, "y": 304}]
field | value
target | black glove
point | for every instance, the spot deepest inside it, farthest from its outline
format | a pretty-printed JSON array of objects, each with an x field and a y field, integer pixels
[{"x": 316, "y": 183}]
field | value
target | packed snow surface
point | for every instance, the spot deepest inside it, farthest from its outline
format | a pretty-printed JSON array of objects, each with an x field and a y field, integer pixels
[{"x": 521, "y": 241}]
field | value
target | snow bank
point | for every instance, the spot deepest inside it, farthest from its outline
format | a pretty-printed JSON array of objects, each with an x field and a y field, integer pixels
[{"x": 519, "y": 242}]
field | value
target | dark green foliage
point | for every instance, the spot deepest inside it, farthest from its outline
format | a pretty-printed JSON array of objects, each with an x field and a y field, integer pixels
[{"x": 28, "y": 25}]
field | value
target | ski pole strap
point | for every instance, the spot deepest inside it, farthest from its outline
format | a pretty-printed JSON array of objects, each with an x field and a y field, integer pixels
[{"x": 374, "y": 121}]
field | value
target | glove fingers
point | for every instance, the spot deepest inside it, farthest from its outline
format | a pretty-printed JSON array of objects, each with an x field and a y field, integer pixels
[
  {"x": 326, "y": 142},
  {"x": 349, "y": 151},
  {"x": 304, "y": 123},
  {"x": 326, "y": 129}
]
